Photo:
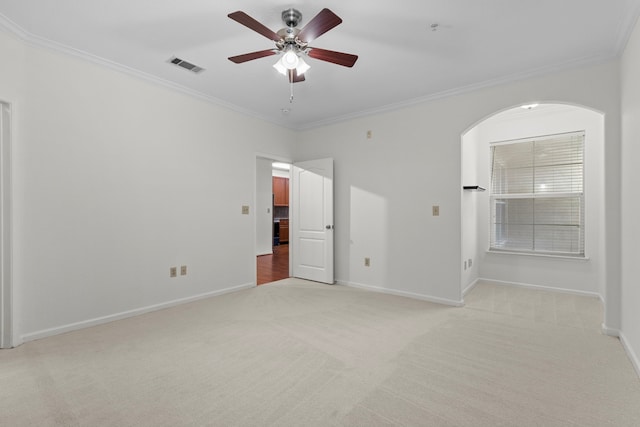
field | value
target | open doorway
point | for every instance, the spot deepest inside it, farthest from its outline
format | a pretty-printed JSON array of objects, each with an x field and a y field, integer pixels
[
  {"x": 273, "y": 267},
  {"x": 272, "y": 220}
]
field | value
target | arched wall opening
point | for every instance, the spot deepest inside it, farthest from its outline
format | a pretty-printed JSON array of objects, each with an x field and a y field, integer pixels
[{"x": 585, "y": 276}]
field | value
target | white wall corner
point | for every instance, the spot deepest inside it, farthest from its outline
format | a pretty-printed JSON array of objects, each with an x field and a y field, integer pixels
[
  {"x": 469, "y": 287},
  {"x": 611, "y": 332},
  {"x": 633, "y": 356},
  {"x": 7, "y": 299}
]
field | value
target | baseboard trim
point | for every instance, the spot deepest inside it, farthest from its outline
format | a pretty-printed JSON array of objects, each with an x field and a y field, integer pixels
[
  {"x": 544, "y": 288},
  {"x": 405, "y": 294},
  {"x": 126, "y": 314},
  {"x": 611, "y": 332},
  {"x": 630, "y": 353},
  {"x": 469, "y": 287}
]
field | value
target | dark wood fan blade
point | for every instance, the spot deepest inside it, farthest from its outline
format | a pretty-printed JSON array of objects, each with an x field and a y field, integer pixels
[
  {"x": 344, "y": 59},
  {"x": 294, "y": 77},
  {"x": 239, "y": 59},
  {"x": 251, "y": 23},
  {"x": 319, "y": 24}
]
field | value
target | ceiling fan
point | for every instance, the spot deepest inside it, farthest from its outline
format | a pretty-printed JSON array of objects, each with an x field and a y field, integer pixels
[{"x": 293, "y": 43}]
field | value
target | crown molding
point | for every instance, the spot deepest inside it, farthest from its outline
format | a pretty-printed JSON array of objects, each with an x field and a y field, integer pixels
[
  {"x": 41, "y": 42},
  {"x": 538, "y": 72},
  {"x": 11, "y": 27},
  {"x": 34, "y": 40},
  {"x": 626, "y": 28}
]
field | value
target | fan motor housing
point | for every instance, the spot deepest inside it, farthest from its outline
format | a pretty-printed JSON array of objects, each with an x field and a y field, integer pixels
[
  {"x": 288, "y": 34},
  {"x": 291, "y": 17}
]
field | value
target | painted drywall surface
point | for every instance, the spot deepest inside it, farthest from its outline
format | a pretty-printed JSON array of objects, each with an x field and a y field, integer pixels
[
  {"x": 11, "y": 73},
  {"x": 470, "y": 220},
  {"x": 384, "y": 190},
  {"x": 418, "y": 148},
  {"x": 11, "y": 88},
  {"x": 569, "y": 274},
  {"x": 413, "y": 161},
  {"x": 264, "y": 206},
  {"x": 117, "y": 180},
  {"x": 630, "y": 202}
]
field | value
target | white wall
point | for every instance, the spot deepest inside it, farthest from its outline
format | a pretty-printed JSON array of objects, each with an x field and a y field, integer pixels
[
  {"x": 630, "y": 203},
  {"x": 6, "y": 300},
  {"x": 264, "y": 206},
  {"x": 115, "y": 181},
  {"x": 385, "y": 186},
  {"x": 583, "y": 276},
  {"x": 471, "y": 221},
  {"x": 10, "y": 94}
]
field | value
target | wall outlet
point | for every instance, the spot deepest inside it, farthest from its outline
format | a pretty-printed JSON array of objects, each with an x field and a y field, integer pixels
[
  {"x": 369, "y": 134},
  {"x": 367, "y": 262},
  {"x": 245, "y": 210},
  {"x": 173, "y": 272},
  {"x": 470, "y": 262},
  {"x": 183, "y": 270},
  {"x": 435, "y": 210}
]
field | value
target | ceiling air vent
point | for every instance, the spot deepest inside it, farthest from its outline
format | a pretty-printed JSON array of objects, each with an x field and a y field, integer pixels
[{"x": 186, "y": 65}]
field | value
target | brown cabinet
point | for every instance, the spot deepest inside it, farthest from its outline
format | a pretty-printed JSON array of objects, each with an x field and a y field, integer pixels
[
  {"x": 280, "y": 191},
  {"x": 284, "y": 231}
]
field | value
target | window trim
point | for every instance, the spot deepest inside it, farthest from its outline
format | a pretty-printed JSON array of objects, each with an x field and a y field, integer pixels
[{"x": 539, "y": 254}]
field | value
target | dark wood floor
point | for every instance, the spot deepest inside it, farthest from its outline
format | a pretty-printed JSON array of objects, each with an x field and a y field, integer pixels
[{"x": 274, "y": 267}]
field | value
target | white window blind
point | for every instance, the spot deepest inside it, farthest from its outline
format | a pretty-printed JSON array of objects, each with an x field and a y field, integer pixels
[{"x": 537, "y": 195}]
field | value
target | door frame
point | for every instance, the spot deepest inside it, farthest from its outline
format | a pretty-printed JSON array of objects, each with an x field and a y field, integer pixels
[
  {"x": 6, "y": 228},
  {"x": 274, "y": 158}
]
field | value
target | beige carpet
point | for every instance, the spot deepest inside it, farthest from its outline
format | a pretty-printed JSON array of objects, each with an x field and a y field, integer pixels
[{"x": 295, "y": 353}]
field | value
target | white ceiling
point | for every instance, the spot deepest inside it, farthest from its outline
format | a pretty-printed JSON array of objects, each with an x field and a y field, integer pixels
[{"x": 401, "y": 60}]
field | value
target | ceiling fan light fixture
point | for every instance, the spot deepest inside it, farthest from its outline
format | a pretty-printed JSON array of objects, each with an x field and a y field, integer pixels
[
  {"x": 281, "y": 68},
  {"x": 290, "y": 60},
  {"x": 293, "y": 44},
  {"x": 302, "y": 66}
]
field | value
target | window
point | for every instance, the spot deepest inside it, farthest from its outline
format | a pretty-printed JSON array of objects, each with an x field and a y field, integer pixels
[{"x": 537, "y": 195}]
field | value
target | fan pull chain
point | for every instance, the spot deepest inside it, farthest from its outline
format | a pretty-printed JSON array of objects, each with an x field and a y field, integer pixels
[{"x": 291, "y": 97}]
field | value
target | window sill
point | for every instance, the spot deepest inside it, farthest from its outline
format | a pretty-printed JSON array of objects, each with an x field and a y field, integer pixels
[{"x": 540, "y": 255}]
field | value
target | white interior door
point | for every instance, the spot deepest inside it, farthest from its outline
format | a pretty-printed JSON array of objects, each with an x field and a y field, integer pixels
[{"x": 311, "y": 224}]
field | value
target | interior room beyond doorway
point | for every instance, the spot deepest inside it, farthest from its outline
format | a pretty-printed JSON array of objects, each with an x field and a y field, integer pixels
[{"x": 272, "y": 225}]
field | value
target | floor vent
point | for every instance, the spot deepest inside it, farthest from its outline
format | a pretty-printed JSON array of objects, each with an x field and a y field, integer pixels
[{"x": 186, "y": 65}]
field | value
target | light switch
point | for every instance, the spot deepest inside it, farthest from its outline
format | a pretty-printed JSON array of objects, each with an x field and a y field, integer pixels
[{"x": 436, "y": 210}]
